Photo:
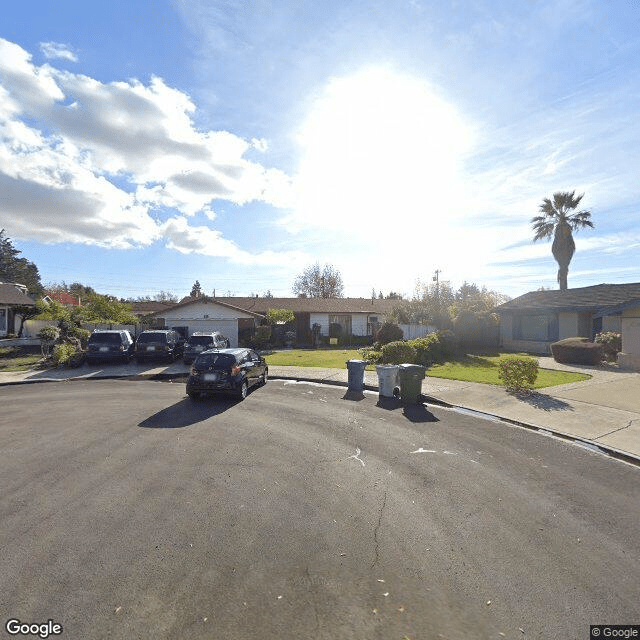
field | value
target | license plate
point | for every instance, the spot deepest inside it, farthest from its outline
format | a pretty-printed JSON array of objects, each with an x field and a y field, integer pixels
[
  {"x": 151, "y": 348},
  {"x": 104, "y": 349},
  {"x": 211, "y": 377},
  {"x": 199, "y": 348}
]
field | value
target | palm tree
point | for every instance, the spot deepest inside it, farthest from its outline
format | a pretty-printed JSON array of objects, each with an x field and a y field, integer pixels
[{"x": 557, "y": 219}]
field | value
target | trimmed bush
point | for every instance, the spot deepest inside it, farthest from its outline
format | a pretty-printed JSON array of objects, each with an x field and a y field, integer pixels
[
  {"x": 433, "y": 348},
  {"x": 398, "y": 352},
  {"x": 611, "y": 342},
  {"x": 518, "y": 373},
  {"x": 371, "y": 355},
  {"x": 577, "y": 350},
  {"x": 388, "y": 332},
  {"x": 64, "y": 352}
]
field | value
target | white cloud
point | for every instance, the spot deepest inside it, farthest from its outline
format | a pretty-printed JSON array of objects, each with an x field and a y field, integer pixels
[
  {"x": 52, "y": 50},
  {"x": 87, "y": 161}
]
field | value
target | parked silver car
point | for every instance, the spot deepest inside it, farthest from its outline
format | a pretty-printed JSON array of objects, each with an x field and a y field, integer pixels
[{"x": 200, "y": 341}]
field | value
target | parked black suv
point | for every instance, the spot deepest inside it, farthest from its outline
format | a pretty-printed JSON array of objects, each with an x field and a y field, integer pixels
[
  {"x": 200, "y": 341},
  {"x": 109, "y": 345},
  {"x": 226, "y": 371},
  {"x": 159, "y": 344}
]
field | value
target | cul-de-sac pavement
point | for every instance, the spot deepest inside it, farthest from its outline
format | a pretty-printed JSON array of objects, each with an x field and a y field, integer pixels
[{"x": 306, "y": 511}]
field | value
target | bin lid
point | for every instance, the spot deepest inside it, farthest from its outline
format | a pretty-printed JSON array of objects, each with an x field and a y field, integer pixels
[
  {"x": 412, "y": 367},
  {"x": 356, "y": 361}
]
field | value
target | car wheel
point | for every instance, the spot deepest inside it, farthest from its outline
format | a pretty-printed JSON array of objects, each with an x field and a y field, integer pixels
[
  {"x": 139, "y": 360},
  {"x": 194, "y": 395},
  {"x": 265, "y": 375},
  {"x": 243, "y": 390}
]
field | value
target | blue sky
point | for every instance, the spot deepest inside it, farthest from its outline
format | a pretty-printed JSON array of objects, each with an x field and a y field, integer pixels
[{"x": 145, "y": 145}]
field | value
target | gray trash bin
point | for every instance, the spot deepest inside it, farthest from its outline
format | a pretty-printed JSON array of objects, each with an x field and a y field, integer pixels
[
  {"x": 388, "y": 379},
  {"x": 411, "y": 377},
  {"x": 356, "y": 374}
]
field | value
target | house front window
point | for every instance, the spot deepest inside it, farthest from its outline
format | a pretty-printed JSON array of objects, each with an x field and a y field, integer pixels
[
  {"x": 339, "y": 325},
  {"x": 3, "y": 321},
  {"x": 372, "y": 323},
  {"x": 538, "y": 327}
]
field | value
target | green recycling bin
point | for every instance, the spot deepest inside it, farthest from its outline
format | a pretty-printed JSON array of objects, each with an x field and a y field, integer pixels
[{"x": 411, "y": 377}]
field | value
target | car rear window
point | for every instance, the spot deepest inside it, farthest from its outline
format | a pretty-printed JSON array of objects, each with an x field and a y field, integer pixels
[
  {"x": 216, "y": 360},
  {"x": 105, "y": 338},
  {"x": 152, "y": 337},
  {"x": 200, "y": 340}
]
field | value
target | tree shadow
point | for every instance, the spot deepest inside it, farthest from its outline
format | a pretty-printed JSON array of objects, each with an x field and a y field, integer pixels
[
  {"x": 187, "y": 412},
  {"x": 542, "y": 401}
]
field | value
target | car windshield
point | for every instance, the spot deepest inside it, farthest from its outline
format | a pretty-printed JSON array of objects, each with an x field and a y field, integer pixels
[
  {"x": 216, "y": 360},
  {"x": 200, "y": 340},
  {"x": 152, "y": 337},
  {"x": 105, "y": 338}
]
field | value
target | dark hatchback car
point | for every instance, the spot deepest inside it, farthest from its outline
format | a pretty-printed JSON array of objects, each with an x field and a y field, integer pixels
[
  {"x": 200, "y": 341},
  {"x": 159, "y": 344},
  {"x": 109, "y": 345},
  {"x": 226, "y": 371}
]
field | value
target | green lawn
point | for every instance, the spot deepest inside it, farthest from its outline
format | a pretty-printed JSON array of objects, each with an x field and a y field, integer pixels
[
  {"x": 484, "y": 369},
  {"x": 19, "y": 358},
  {"x": 330, "y": 358},
  {"x": 470, "y": 368}
]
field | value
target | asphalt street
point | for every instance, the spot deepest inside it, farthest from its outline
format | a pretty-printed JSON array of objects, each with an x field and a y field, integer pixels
[{"x": 129, "y": 511}]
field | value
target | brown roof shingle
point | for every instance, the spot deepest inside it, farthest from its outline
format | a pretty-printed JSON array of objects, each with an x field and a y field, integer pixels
[
  {"x": 12, "y": 295},
  {"x": 592, "y": 298}
]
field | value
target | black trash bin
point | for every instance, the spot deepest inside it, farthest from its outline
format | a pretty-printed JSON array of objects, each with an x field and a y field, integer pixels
[{"x": 411, "y": 377}]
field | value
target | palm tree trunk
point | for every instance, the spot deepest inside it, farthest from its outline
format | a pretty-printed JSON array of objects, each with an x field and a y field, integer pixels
[{"x": 563, "y": 248}]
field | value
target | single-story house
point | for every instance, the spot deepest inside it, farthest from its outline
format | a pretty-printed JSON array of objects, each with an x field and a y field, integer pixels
[
  {"x": 356, "y": 316},
  {"x": 12, "y": 295},
  {"x": 209, "y": 314},
  {"x": 536, "y": 319}
]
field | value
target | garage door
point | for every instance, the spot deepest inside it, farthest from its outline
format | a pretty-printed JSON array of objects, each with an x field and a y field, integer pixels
[{"x": 228, "y": 328}]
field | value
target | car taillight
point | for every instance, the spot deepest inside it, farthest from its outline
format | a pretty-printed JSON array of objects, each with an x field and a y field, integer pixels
[
  {"x": 194, "y": 372},
  {"x": 235, "y": 370}
]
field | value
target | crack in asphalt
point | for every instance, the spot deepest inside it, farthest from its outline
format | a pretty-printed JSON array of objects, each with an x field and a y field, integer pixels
[{"x": 377, "y": 528}]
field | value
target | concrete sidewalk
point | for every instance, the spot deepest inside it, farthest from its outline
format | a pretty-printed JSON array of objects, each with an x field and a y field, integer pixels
[{"x": 603, "y": 411}]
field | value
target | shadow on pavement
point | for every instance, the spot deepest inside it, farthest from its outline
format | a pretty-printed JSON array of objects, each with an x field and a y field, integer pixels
[
  {"x": 354, "y": 396},
  {"x": 413, "y": 412},
  {"x": 543, "y": 401},
  {"x": 186, "y": 412}
]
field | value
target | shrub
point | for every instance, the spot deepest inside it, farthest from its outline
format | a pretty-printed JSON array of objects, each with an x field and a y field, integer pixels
[
  {"x": 434, "y": 347},
  {"x": 261, "y": 338},
  {"x": 518, "y": 373},
  {"x": 388, "y": 332},
  {"x": 576, "y": 350},
  {"x": 64, "y": 352},
  {"x": 611, "y": 342},
  {"x": 370, "y": 354},
  {"x": 398, "y": 352}
]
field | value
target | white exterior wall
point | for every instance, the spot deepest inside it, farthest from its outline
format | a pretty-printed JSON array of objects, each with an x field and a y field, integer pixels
[
  {"x": 567, "y": 325},
  {"x": 206, "y": 317},
  {"x": 322, "y": 319}
]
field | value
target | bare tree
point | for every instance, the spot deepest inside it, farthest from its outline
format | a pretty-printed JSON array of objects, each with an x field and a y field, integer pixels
[{"x": 316, "y": 282}]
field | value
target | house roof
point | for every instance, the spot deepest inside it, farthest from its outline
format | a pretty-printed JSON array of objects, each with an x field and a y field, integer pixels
[
  {"x": 152, "y": 306},
  {"x": 65, "y": 298},
  {"x": 597, "y": 298},
  {"x": 311, "y": 305},
  {"x": 185, "y": 302},
  {"x": 13, "y": 294}
]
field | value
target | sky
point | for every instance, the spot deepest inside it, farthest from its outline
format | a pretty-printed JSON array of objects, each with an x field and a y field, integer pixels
[{"x": 145, "y": 145}]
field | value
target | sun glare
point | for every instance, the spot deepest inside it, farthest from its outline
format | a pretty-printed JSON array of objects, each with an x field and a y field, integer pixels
[{"x": 376, "y": 146}]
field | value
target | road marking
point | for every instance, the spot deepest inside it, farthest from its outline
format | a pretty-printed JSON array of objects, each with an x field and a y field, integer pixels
[
  {"x": 355, "y": 456},
  {"x": 421, "y": 450}
]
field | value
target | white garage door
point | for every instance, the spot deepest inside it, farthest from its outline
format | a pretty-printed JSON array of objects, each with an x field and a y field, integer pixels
[{"x": 228, "y": 328}]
